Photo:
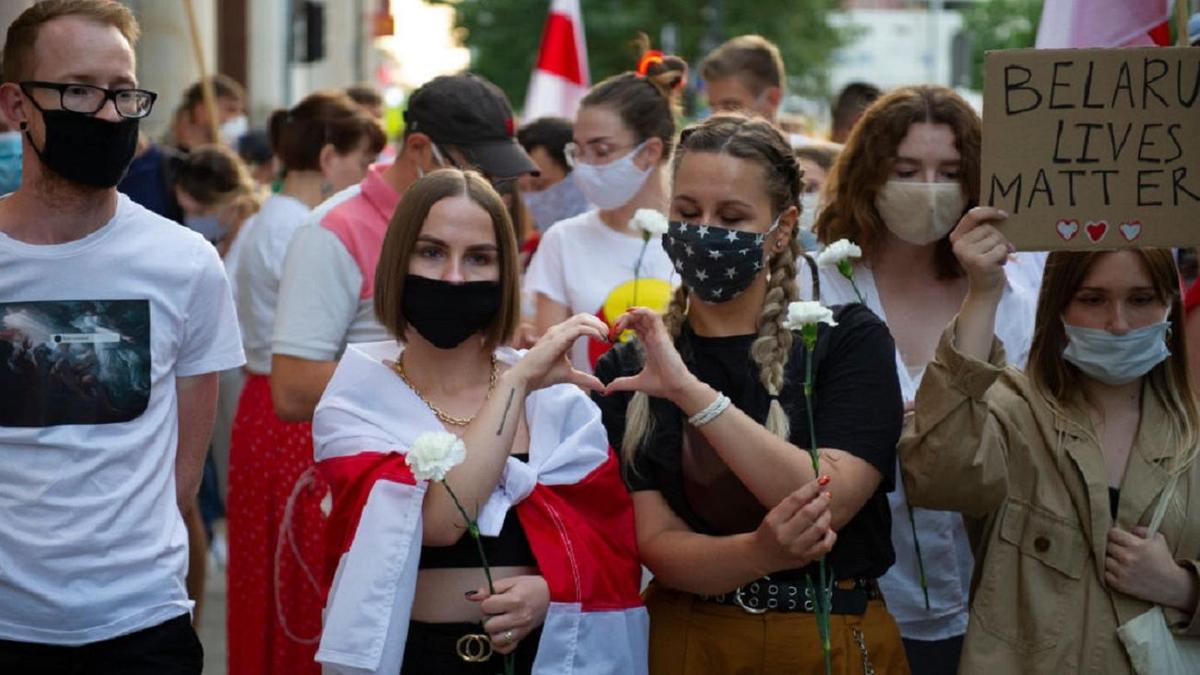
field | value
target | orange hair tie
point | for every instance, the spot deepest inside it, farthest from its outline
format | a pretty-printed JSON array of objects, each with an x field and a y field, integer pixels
[{"x": 651, "y": 56}]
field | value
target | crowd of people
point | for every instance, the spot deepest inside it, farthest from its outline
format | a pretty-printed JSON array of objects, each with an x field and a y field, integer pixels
[{"x": 528, "y": 398}]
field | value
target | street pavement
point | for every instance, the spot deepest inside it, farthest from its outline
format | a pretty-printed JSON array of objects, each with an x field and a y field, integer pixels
[{"x": 212, "y": 618}]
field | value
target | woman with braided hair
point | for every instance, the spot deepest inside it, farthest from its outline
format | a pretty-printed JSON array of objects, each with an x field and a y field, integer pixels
[{"x": 708, "y": 409}]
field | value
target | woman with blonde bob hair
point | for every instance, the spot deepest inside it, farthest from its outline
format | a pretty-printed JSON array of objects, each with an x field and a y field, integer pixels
[
  {"x": 1059, "y": 470},
  {"x": 731, "y": 516},
  {"x": 536, "y": 475}
]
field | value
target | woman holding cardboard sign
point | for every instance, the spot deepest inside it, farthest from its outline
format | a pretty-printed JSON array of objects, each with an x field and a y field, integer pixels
[
  {"x": 908, "y": 172},
  {"x": 1059, "y": 469}
]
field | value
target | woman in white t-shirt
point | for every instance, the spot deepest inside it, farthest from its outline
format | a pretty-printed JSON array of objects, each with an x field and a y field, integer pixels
[
  {"x": 908, "y": 172},
  {"x": 594, "y": 262},
  {"x": 218, "y": 199},
  {"x": 324, "y": 144}
]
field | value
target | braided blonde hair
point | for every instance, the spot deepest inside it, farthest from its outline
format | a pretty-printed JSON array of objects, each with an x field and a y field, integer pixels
[{"x": 757, "y": 141}]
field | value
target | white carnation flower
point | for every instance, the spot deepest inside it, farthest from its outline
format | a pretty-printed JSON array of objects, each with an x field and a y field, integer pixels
[
  {"x": 842, "y": 250},
  {"x": 807, "y": 313},
  {"x": 649, "y": 222},
  {"x": 434, "y": 453}
]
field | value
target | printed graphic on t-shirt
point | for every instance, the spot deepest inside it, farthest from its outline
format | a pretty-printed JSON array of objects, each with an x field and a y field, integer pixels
[
  {"x": 74, "y": 362},
  {"x": 651, "y": 293}
]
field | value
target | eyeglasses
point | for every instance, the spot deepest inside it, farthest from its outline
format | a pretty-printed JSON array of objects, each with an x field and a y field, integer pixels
[
  {"x": 592, "y": 153},
  {"x": 88, "y": 100}
]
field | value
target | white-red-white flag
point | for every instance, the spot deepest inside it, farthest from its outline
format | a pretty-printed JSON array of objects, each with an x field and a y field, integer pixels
[
  {"x": 1103, "y": 23},
  {"x": 560, "y": 76}
]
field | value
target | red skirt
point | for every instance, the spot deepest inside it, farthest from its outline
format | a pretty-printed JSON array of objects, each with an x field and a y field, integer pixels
[{"x": 272, "y": 631}]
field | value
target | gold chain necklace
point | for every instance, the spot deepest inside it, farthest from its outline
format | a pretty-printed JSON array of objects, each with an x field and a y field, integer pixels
[{"x": 398, "y": 366}]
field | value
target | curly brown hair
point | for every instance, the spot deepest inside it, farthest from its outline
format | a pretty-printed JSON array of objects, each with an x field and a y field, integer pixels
[{"x": 866, "y": 161}]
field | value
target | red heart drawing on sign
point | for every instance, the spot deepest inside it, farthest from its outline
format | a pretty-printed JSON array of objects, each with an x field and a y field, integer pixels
[
  {"x": 1067, "y": 229},
  {"x": 1096, "y": 231},
  {"x": 1131, "y": 230}
]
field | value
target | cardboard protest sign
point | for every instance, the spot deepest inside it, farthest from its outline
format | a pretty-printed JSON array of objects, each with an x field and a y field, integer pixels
[{"x": 1093, "y": 148}]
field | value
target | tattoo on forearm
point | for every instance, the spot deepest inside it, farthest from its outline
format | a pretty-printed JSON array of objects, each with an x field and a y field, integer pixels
[{"x": 507, "y": 406}]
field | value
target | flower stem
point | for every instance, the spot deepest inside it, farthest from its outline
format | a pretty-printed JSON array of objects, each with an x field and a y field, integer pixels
[
  {"x": 637, "y": 267},
  {"x": 473, "y": 529},
  {"x": 822, "y": 598},
  {"x": 848, "y": 272},
  {"x": 920, "y": 561}
]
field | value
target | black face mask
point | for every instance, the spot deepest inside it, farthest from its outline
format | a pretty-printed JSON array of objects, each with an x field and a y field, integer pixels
[
  {"x": 716, "y": 263},
  {"x": 446, "y": 313},
  {"x": 85, "y": 149}
]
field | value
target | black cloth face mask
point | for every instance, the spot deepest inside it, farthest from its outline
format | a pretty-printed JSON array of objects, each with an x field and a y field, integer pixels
[
  {"x": 716, "y": 263},
  {"x": 446, "y": 314},
  {"x": 85, "y": 149}
]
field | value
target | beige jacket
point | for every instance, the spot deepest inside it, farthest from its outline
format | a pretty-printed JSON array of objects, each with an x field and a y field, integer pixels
[{"x": 1033, "y": 489}]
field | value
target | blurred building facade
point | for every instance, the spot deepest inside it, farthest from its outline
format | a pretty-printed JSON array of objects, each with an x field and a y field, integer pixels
[
  {"x": 282, "y": 50},
  {"x": 928, "y": 32}
]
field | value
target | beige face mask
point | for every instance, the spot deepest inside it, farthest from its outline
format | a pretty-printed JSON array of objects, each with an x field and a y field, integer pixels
[{"x": 920, "y": 213}]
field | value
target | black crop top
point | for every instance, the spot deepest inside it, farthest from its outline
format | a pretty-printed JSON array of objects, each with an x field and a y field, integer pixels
[{"x": 509, "y": 549}]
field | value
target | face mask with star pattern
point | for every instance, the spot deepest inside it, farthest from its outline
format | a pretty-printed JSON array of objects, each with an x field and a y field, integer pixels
[{"x": 716, "y": 263}]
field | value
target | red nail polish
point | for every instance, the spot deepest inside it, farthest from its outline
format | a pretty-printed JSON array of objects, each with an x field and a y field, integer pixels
[
  {"x": 829, "y": 495},
  {"x": 823, "y": 481}
]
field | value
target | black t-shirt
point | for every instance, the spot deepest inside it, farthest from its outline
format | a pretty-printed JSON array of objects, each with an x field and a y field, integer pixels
[{"x": 857, "y": 408}]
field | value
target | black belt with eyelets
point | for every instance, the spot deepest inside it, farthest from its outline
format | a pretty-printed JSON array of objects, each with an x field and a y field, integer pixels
[{"x": 850, "y": 596}]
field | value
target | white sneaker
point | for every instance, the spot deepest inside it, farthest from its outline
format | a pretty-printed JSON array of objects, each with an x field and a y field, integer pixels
[{"x": 218, "y": 550}]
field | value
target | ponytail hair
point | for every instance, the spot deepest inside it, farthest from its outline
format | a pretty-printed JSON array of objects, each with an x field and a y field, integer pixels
[
  {"x": 647, "y": 99},
  {"x": 298, "y": 135}
]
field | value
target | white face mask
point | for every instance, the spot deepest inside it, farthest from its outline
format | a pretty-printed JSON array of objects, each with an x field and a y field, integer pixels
[
  {"x": 809, "y": 208},
  {"x": 233, "y": 129},
  {"x": 920, "y": 213},
  {"x": 614, "y": 184}
]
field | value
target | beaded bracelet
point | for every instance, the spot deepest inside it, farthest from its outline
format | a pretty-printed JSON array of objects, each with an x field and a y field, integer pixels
[{"x": 718, "y": 406}]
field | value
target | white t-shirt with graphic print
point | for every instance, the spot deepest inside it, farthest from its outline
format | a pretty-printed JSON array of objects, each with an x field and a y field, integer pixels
[
  {"x": 93, "y": 334},
  {"x": 589, "y": 267}
]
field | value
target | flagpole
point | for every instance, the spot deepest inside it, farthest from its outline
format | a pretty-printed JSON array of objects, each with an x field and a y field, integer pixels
[
  {"x": 206, "y": 85},
  {"x": 1181, "y": 22}
]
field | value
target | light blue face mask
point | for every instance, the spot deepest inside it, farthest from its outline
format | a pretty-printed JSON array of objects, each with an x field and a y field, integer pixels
[
  {"x": 209, "y": 226},
  {"x": 557, "y": 202},
  {"x": 1117, "y": 359},
  {"x": 10, "y": 161}
]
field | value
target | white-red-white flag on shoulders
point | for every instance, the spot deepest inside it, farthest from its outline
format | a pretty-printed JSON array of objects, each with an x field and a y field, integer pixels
[
  {"x": 560, "y": 76},
  {"x": 568, "y": 496},
  {"x": 1104, "y": 23}
]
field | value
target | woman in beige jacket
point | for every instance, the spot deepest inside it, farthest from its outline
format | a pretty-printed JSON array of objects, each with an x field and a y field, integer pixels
[{"x": 1057, "y": 470}]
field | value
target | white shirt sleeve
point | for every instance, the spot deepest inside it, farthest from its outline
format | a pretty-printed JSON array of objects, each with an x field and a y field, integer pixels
[
  {"x": 545, "y": 274},
  {"x": 211, "y": 338},
  {"x": 318, "y": 296}
]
